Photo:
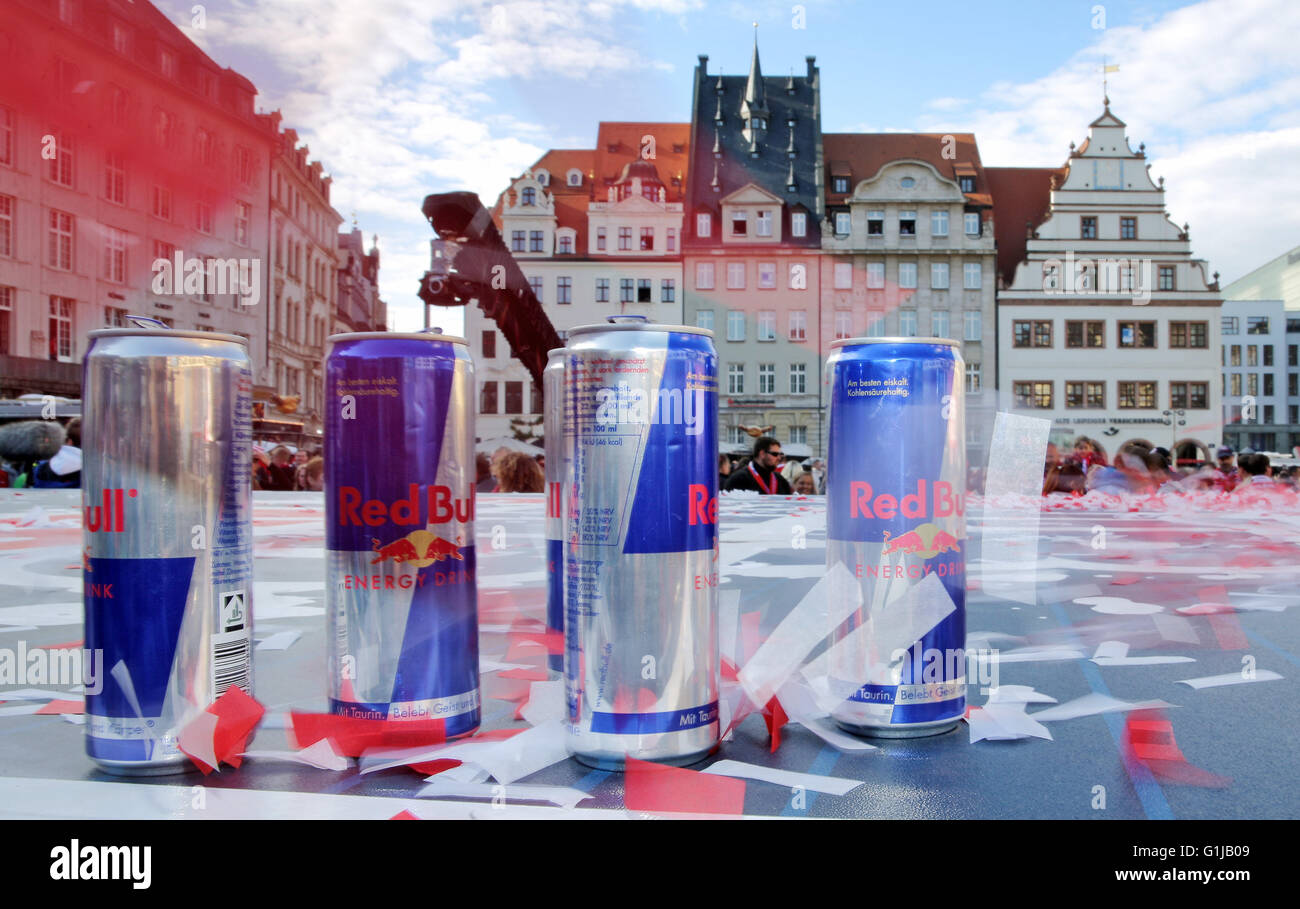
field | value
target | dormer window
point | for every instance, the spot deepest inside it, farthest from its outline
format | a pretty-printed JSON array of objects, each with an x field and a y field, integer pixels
[
  {"x": 528, "y": 196},
  {"x": 566, "y": 244},
  {"x": 574, "y": 177},
  {"x": 968, "y": 184},
  {"x": 543, "y": 177},
  {"x": 763, "y": 226},
  {"x": 840, "y": 184},
  {"x": 703, "y": 225},
  {"x": 757, "y": 123},
  {"x": 907, "y": 182},
  {"x": 739, "y": 224},
  {"x": 167, "y": 63}
]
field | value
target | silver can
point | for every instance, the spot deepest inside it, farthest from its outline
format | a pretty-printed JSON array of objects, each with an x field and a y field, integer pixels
[
  {"x": 641, "y": 556},
  {"x": 166, "y": 438},
  {"x": 553, "y": 431}
]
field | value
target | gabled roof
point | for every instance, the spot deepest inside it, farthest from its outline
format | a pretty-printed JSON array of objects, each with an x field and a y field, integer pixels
[
  {"x": 860, "y": 156},
  {"x": 1020, "y": 195}
]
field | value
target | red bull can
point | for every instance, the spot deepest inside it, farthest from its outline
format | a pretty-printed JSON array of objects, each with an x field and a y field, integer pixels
[
  {"x": 168, "y": 567},
  {"x": 895, "y": 519},
  {"x": 553, "y": 431},
  {"x": 401, "y": 586},
  {"x": 641, "y": 543}
]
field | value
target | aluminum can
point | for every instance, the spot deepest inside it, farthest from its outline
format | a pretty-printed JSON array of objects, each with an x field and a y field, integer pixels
[
  {"x": 641, "y": 543},
  {"x": 553, "y": 431},
  {"x": 895, "y": 519},
  {"x": 401, "y": 585},
  {"x": 168, "y": 567}
]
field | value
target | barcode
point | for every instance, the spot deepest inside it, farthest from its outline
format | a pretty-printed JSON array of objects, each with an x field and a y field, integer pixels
[{"x": 231, "y": 661}]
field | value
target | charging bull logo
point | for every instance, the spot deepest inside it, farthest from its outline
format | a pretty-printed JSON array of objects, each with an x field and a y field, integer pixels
[
  {"x": 419, "y": 547},
  {"x": 927, "y": 541}
]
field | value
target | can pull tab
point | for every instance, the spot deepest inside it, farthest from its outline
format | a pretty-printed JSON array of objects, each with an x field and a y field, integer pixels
[
  {"x": 147, "y": 322},
  {"x": 431, "y": 330},
  {"x": 627, "y": 317}
]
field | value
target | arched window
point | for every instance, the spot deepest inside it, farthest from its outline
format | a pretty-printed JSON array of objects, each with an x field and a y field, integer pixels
[
  {"x": 543, "y": 177},
  {"x": 574, "y": 177},
  {"x": 529, "y": 196}
]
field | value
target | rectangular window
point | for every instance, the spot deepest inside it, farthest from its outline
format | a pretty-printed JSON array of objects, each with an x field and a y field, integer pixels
[
  {"x": 704, "y": 319},
  {"x": 7, "y": 142},
  {"x": 798, "y": 378},
  {"x": 536, "y": 284},
  {"x": 763, "y": 225},
  {"x": 875, "y": 224},
  {"x": 1268, "y": 354},
  {"x": 489, "y": 344},
  {"x": 703, "y": 225},
  {"x": 1137, "y": 395},
  {"x": 514, "y": 397},
  {"x": 1293, "y": 355},
  {"x": 203, "y": 146},
  {"x": 672, "y": 239},
  {"x": 61, "y": 247},
  {"x": 842, "y": 224},
  {"x": 973, "y": 326},
  {"x": 766, "y": 330},
  {"x": 875, "y": 275},
  {"x": 735, "y": 275},
  {"x": 1268, "y": 414},
  {"x": 1235, "y": 379},
  {"x": 1231, "y": 325},
  {"x": 840, "y": 184},
  {"x": 114, "y": 255},
  {"x": 643, "y": 290},
  {"x": 799, "y": 224},
  {"x": 939, "y": 323},
  {"x": 600, "y": 237},
  {"x": 843, "y": 324},
  {"x": 625, "y": 290},
  {"x": 972, "y": 276},
  {"x": 1252, "y": 355},
  {"x": 1293, "y": 385},
  {"x": 1033, "y": 395},
  {"x": 735, "y": 325},
  {"x": 938, "y": 275},
  {"x": 244, "y": 165},
  {"x": 563, "y": 290},
  {"x": 907, "y": 275},
  {"x": 973, "y": 378},
  {"x": 243, "y": 218},
  {"x": 798, "y": 435},
  {"x": 517, "y": 239},
  {"x": 1268, "y": 384},
  {"x": 1090, "y": 395},
  {"x": 487, "y": 402},
  {"x": 115, "y": 178},
  {"x": 907, "y": 323},
  {"x": 1128, "y": 228},
  {"x": 1035, "y": 333},
  {"x": 735, "y": 378},
  {"x": 875, "y": 324},
  {"x": 1085, "y": 334},
  {"x": 7, "y": 206},
  {"x": 907, "y": 224},
  {"x": 1166, "y": 278},
  {"x": 1137, "y": 334},
  {"x": 60, "y": 333},
  {"x": 1189, "y": 334},
  {"x": 162, "y": 202},
  {"x": 767, "y": 378},
  {"x": 767, "y": 276},
  {"x": 602, "y": 290},
  {"x": 668, "y": 290},
  {"x": 1088, "y": 227},
  {"x": 1256, "y": 325},
  {"x": 647, "y": 238},
  {"x": 1178, "y": 394},
  {"x": 203, "y": 217},
  {"x": 739, "y": 224},
  {"x": 798, "y": 325},
  {"x": 843, "y": 276},
  {"x": 704, "y": 276},
  {"x": 1235, "y": 356},
  {"x": 61, "y": 164},
  {"x": 535, "y": 238},
  {"x": 939, "y": 222},
  {"x": 972, "y": 224}
]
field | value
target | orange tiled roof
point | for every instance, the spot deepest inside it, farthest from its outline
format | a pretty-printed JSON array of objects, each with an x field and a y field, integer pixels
[
  {"x": 862, "y": 155},
  {"x": 1020, "y": 195}
]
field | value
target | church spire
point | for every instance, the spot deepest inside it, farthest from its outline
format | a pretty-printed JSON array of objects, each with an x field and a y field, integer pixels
[{"x": 755, "y": 102}]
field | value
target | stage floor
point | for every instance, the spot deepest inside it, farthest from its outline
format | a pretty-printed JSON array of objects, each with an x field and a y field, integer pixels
[{"x": 1219, "y": 587}]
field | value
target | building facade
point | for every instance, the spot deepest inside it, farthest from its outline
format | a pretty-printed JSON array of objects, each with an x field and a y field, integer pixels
[
  {"x": 597, "y": 232},
  {"x": 122, "y": 146},
  {"x": 304, "y": 253},
  {"x": 1277, "y": 279},
  {"x": 1109, "y": 326},
  {"x": 359, "y": 306},
  {"x": 754, "y": 213},
  {"x": 1261, "y": 375},
  {"x": 908, "y": 251}
]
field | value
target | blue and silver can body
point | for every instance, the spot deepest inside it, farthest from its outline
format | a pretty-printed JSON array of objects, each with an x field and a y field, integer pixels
[
  {"x": 168, "y": 565},
  {"x": 553, "y": 433},
  {"x": 641, "y": 535},
  {"x": 401, "y": 586},
  {"x": 895, "y": 519}
]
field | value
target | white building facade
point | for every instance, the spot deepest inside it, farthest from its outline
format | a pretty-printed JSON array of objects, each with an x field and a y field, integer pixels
[
  {"x": 1261, "y": 376},
  {"x": 1110, "y": 326}
]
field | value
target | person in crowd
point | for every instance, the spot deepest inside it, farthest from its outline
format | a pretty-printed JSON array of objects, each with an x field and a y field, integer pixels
[
  {"x": 1256, "y": 474},
  {"x": 300, "y": 457},
  {"x": 1051, "y": 467},
  {"x": 1089, "y": 452},
  {"x": 761, "y": 474},
  {"x": 484, "y": 481},
  {"x": 724, "y": 470},
  {"x": 517, "y": 472},
  {"x": 805, "y": 485},
  {"x": 1229, "y": 475},
  {"x": 63, "y": 470},
  {"x": 1129, "y": 474},
  {"x": 281, "y": 470},
  {"x": 311, "y": 476},
  {"x": 26, "y": 443}
]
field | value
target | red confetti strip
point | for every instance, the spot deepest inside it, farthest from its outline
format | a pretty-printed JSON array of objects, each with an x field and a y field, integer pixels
[
  {"x": 350, "y": 736},
  {"x": 775, "y": 717},
  {"x": 1125, "y": 579},
  {"x": 1227, "y": 629},
  {"x": 404, "y": 816},
  {"x": 1148, "y": 739},
  {"x": 57, "y": 707},
  {"x": 530, "y": 675},
  {"x": 237, "y": 717},
  {"x": 655, "y": 787},
  {"x": 429, "y": 768}
]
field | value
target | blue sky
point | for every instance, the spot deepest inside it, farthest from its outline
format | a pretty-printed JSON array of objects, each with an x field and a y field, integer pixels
[{"x": 399, "y": 98}]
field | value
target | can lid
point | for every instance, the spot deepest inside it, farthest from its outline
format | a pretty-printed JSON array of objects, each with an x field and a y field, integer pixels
[
  {"x": 556, "y": 352},
  {"x": 426, "y": 335},
  {"x": 636, "y": 322},
  {"x": 146, "y": 326},
  {"x": 854, "y": 342}
]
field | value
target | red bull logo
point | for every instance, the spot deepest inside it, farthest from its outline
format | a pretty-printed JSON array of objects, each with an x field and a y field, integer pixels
[
  {"x": 702, "y": 508},
  {"x": 436, "y": 506},
  {"x": 110, "y": 517},
  {"x": 913, "y": 543},
  {"x": 925, "y": 541},
  {"x": 932, "y": 499},
  {"x": 419, "y": 547}
]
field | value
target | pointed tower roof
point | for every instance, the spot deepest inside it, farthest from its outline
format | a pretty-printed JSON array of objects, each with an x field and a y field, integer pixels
[{"x": 755, "y": 101}]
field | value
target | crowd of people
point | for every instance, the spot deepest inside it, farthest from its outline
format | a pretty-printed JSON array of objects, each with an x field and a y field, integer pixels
[
  {"x": 769, "y": 472},
  {"x": 1141, "y": 468},
  {"x": 288, "y": 469}
]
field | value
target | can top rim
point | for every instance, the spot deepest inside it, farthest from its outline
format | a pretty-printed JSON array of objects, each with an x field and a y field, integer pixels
[
  {"x": 167, "y": 333},
  {"x": 556, "y": 352},
  {"x": 848, "y": 342},
  {"x": 395, "y": 335},
  {"x": 639, "y": 326}
]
